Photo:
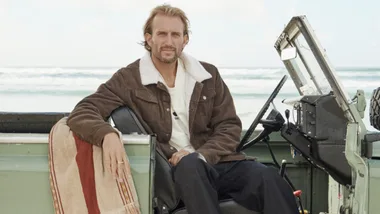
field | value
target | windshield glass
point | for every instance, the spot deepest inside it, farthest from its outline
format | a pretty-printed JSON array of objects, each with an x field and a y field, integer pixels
[{"x": 313, "y": 80}]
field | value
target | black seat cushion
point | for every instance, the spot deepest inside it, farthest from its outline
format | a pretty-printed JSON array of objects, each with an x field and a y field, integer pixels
[
  {"x": 164, "y": 189},
  {"x": 228, "y": 206}
]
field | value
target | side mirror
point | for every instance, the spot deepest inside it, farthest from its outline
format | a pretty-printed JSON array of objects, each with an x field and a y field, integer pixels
[{"x": 288, "y": 53}]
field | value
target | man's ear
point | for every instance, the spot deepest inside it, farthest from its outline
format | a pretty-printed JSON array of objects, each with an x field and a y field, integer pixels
[
  {"x": 185, "y": 41},
  {"x": 148, "y": 39}
]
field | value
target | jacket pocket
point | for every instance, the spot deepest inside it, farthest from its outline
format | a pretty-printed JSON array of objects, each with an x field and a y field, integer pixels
[
  {"x": 144, "y": 95},
  {"x": 207, "y": 96},
  {"x": 148, "y": 107},
  {"x": 206, "y": 104}
]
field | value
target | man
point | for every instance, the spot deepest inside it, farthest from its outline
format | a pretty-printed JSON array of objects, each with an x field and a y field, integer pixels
[{"x": 188, "y": 106}]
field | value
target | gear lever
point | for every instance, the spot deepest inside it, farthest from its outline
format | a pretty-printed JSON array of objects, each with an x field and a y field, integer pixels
[{"x": 287, "y": 115}]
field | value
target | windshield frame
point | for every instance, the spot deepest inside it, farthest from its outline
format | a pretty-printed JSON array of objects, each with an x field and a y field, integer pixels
[{"x": 299, "y": 26}]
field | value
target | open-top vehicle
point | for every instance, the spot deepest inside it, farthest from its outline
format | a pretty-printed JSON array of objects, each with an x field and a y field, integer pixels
[{"x": 342, "y": 170}]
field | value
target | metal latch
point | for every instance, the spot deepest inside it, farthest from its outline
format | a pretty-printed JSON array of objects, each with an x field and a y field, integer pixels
[{"x": 361, "y": 103}]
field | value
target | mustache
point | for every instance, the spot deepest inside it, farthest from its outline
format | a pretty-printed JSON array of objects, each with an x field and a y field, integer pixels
[{"x": 168, "y": 48}]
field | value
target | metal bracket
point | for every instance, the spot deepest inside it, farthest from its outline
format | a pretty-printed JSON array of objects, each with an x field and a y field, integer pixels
[{"x": 361, "y": 103}]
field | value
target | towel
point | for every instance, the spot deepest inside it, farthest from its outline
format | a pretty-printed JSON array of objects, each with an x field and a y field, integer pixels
[{"x": 78, "y": 180}]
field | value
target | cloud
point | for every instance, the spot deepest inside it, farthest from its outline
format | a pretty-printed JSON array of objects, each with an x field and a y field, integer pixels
[
  {"x": 249, "y": 8},
  {"x": 3, "y": 15},
  {"x": 89, "y": 32},
  {"x": 109, "y": 5},
  {"x": 292, "y": 8},
  {"x": 98, "y": 32},
  {"x": 236, "y": 7}
]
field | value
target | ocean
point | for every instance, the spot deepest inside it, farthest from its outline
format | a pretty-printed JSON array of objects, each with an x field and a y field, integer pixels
[{"x": 51, "y": 89}]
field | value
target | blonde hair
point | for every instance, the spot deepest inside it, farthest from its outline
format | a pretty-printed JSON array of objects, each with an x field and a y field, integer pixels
[{"x": 168, "y": 10}]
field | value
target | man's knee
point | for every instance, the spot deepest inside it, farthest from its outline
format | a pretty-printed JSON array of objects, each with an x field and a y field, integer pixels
[
  {"x": 270, "y": 171},
  {"x": 270, "y": 176},
  {"x": 258, "y": 172},
  {"x": 189, "y": 165}
]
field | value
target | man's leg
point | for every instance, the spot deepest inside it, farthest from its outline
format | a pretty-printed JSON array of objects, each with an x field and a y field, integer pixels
[
  {"x": 195, "y": 182},
  {"x": 256, "y": 187}
]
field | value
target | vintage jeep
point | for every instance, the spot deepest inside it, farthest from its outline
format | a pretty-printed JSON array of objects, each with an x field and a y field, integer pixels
[
  {"x": 329, "y": 153},
  {"x": 329, "y": 131}
]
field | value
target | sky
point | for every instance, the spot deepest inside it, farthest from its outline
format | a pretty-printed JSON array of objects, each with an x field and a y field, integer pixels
[{"x": 238, "y": 33}]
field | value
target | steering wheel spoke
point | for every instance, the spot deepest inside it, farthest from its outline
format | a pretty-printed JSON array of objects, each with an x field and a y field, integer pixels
[{"x": 259, "y": 119}]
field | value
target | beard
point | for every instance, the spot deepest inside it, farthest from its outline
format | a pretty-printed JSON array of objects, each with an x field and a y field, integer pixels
[{"x": 162, "y": 58}]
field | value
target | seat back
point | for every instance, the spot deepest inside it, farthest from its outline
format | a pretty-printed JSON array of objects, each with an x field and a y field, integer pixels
[
  {"x": 165, "y": 197},
  {"x": 29, "y": 122}
]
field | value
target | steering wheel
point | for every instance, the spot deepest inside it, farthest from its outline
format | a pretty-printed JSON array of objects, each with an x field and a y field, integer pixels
[{"x": 261, "y": 114}]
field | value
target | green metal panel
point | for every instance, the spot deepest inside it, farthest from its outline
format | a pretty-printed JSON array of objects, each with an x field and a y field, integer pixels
[
  {"x": 319, "y": 191},
  {"x": 24, "y": 183},
  {"x": 373, "y": 185},
  {"x": 24, "y": 176}
]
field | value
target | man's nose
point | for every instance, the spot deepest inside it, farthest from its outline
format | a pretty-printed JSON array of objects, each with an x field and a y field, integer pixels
[{"x": 169, "y": 39}]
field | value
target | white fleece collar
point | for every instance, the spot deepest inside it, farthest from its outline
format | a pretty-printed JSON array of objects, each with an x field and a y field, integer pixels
[{"x": 150, "y": 75}]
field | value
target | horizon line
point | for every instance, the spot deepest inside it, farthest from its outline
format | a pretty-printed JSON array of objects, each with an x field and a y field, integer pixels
[{"x": 220, "y": 67}]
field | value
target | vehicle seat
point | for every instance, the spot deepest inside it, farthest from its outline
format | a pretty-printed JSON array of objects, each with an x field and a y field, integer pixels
[
  {"x": 227, "y": 206},
  {"x": 369, "y": 139},
  {"x": 165, "y": 198}
]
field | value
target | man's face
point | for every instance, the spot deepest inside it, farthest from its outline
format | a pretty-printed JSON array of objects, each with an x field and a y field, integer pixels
[{"x": 167, "y": 40}]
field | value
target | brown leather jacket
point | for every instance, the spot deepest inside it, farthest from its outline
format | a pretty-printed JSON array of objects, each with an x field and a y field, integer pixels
[{"x": 215, "y": 128}]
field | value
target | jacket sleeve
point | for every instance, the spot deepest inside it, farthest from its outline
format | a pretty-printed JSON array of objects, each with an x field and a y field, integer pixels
[
  {"x": 88, "y": 118},
  {"x": 225, "y": 123}
]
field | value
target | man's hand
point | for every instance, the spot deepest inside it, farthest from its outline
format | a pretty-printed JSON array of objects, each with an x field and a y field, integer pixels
[
  {"x": 114, "y": 156},
  {"x": 176, "y": 157}
]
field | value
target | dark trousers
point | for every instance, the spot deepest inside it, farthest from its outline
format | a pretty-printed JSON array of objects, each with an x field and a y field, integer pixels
[{"x": 249, "y": 183}]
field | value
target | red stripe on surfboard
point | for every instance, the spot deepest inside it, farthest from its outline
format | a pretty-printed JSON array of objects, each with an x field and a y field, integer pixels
[
  {"x": 55, "y": 190},
  {"x": 85, "y": 164}
]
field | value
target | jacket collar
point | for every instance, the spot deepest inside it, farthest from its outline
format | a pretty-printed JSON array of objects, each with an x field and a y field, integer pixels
[{"x": 150, "y": 75}]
